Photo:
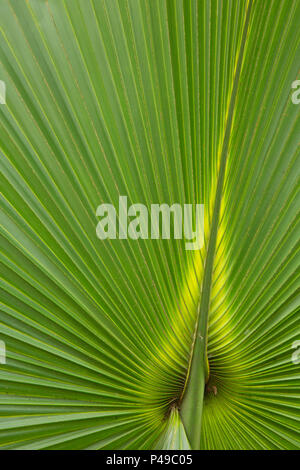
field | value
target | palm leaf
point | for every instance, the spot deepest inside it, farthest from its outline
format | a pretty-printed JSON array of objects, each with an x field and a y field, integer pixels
[{"x": 107, "y": 342}]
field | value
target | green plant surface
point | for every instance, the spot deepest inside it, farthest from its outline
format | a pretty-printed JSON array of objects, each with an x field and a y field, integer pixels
[{"x": 142, "y": 344}]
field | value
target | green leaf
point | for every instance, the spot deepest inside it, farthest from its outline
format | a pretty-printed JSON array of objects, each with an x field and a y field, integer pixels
[
  {"x": 109, "y": 98},
  {"x": 174, "y": 437}
]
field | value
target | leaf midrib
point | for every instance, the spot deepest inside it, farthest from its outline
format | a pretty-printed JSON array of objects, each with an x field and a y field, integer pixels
[{"x": 192, "y": 400}]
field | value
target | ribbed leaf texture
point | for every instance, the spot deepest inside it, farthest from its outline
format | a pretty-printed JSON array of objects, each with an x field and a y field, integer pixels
[{"x": 131, "y": 97}]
